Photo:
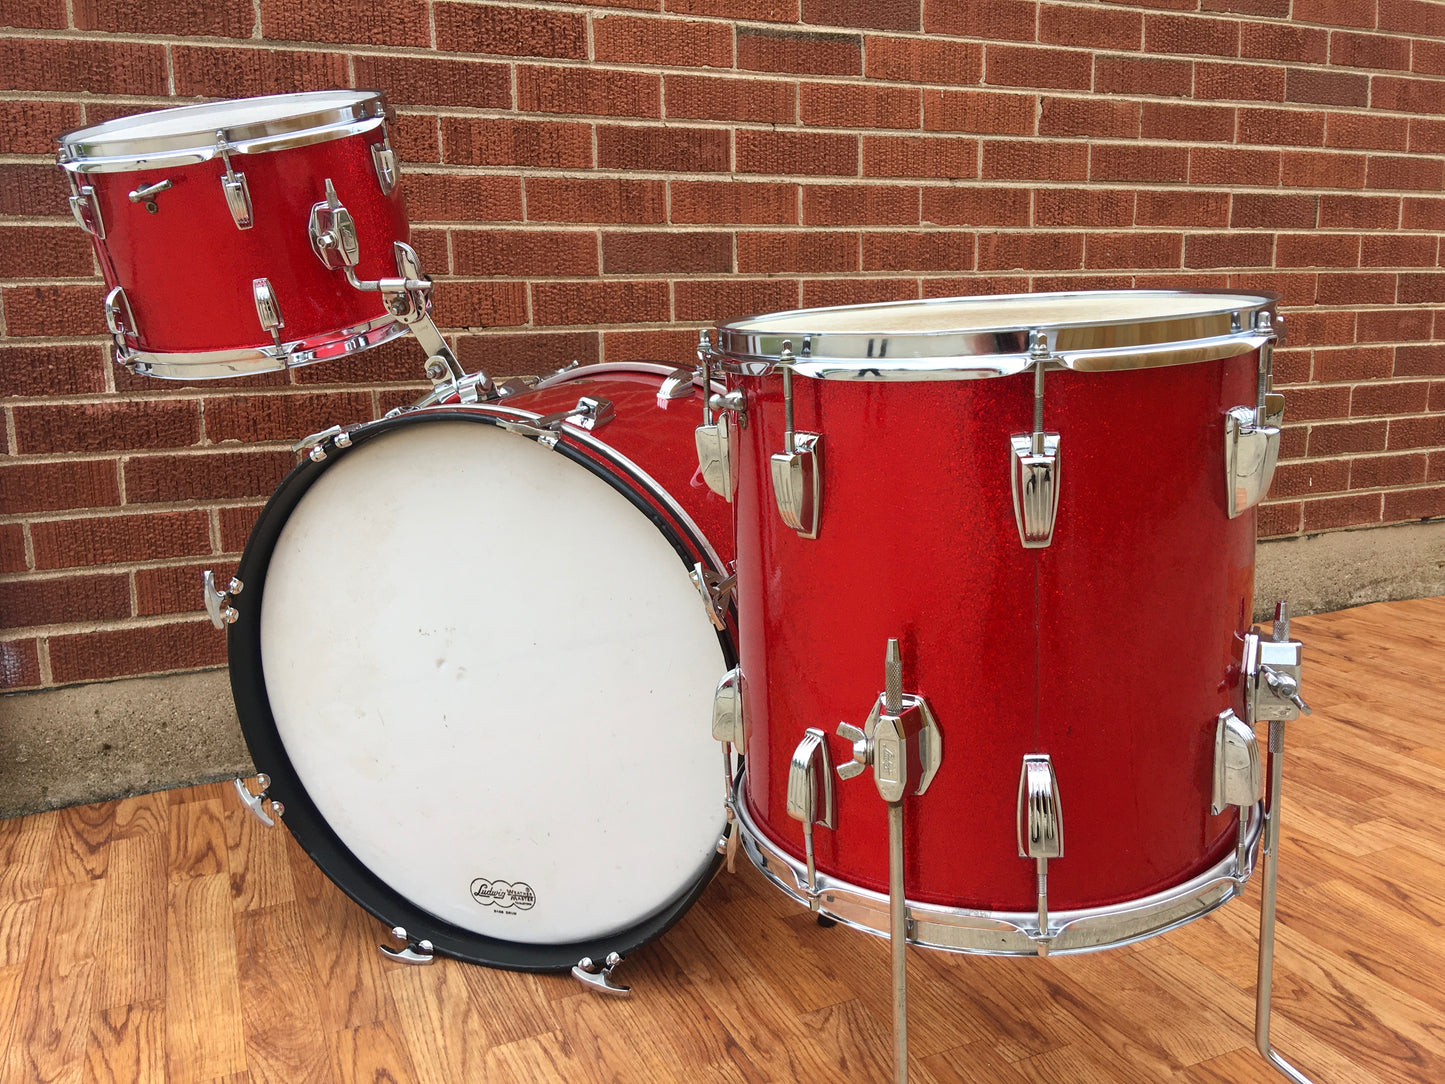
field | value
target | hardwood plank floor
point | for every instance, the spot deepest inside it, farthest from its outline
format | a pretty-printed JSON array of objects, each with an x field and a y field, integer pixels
[{"x": 171, "y": 937}]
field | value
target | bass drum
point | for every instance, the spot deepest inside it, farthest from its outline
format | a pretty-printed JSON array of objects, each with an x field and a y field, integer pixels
[{"x": 478, "y": 673}]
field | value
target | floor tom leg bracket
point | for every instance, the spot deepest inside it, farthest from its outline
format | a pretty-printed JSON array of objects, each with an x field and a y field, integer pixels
[{"x": 256, "y": 803}]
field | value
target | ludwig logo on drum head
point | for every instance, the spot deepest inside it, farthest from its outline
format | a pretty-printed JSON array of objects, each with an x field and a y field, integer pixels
[{"x": 500, "y": 895}]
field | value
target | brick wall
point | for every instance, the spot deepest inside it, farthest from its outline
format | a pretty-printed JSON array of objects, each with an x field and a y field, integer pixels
[{"x": 597, "y": 181}]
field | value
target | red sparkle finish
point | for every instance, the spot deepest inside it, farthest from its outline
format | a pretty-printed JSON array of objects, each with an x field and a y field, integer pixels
[
  {"x": 1113, "y": 650},
  {"x": 187, "y": 269}
]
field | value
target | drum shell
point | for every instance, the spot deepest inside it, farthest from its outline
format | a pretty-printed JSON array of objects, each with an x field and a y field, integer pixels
[
  {"x": 187, "y": 270},
  {"x": 1113, "y": 650}
]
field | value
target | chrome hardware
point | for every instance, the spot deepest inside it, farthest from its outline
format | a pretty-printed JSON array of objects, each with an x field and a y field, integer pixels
[
  {"x": 268, "y": 310},
  {"x": 1238, "y": 773},
  {"x": 147, "y": 193},
  {"x": 86, "y": 209},
  {"x": 727, "y": 709},
  {"x": 714, "y": 590},
  {"x": 119, "y": 319},
  {"x": 810, "y": 796},
  {"x": 677, "y": 385},
  {"x": 383, "y": 160},
  {"x": 234, "y": 187},
  {"x": 413, "y": 951},
  {"x": 315, "y": 445},
  {"x": 1251, "y": 450},
  {"x": 599, "y": 979},
  {"x": 256, "y": 803},
  {"x": 590, "y": 413},
  {"x": 714, "y": 459},
  {"x": 333, "y": 232},
  {"x": 1281, "y": 704},
  {"x": 1040, "y": 830},
  {"x": 1035, "y": 464},
  {"x": 901, "y": 742},
  {"x": 218, "y": 603},
  {"x": 734, "y": 402},
  {"x": 797, "y": 472}
]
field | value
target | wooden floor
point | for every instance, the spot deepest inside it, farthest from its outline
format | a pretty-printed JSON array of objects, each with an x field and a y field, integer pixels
[{"x": 171, "y": 937}]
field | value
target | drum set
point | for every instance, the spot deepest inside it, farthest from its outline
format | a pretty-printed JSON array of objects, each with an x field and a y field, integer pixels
[{"x": 475, "y": 646}]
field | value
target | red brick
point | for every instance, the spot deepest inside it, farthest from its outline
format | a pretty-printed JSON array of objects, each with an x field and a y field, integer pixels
[
  {"x": 578, "y": 199},
  {"x": 814, "y": 252},
  {"x": 1191, "y": 34},
  {"x": 1345, "y": 438},
  {"x": 701, "y": 97},
  {"x": 527, "y": 354},
  {"x": 652, "y": 252},
  {"x": 288, "y": 416},
  {"x": 922, "y": 60},
  {"x": 53, "y": 310},
  {"x": 1088, "y": 117},
  {"x": 933, "y": 250},
  {"x": 1420, "y": 360},
  {"x": 1398, "y": 251},
  {"x": 1311, "y": 479},
  {"x": 1421, "y": 288},
  {"x": 1276, "y": 520},
  {"x": 472, "y": 83},
  {"x": 92, "y": 67},
  {"x": 849, "y": 105},
  {"x": 873, "y": 14},
  {"x": 1428, "y": 57},
  {"x": 1291, "y": 367},
  {"x": 176, "y": 589},
  {"x": 94, "y": 656},
  {"x": 1295, "y": 288},
  {"x": 236, "y": 524},
  {"x": 1130, "y": 162},
  {"x": 1281, "y": 41},
  {"x": 108, "y": 426},
  {"x": 1127, "y": 250},
  {"x": 919, "y": 156},
  {"x": 769, "y": 11},
  {"x": 978, "y": 111},
  {"x": 405, "y": 22},
  {"x": 1233, "y": 166},
  {"x": 725, "y": 299},
  {"x": 510, "y": 31},
  {"x": 32, "y": 190},
  {"x": 32, "y": 130},
  {"x": 1375, "y": 472},
  {"x": 860, "y": 205},
  {"x": 35, "y": 14},
  {"x": 1086, "y": 207},
  {"x": 1426, "y": 432},
  {"x": 992, "y": 20},
  {"x": 453, "y": 197},
  {"x": 1030, "y": 160},
  {"x": 1406, "y": 95},
  {"x": 517, "y": 253},
  {"x": 1025, "y": 66},
  {"x": 205, "y": 476},
  {"x": 1325, "y": 327},
  {"x": 65, "y": 599},
  {"x": 1239, "y": 82},
  {"x": 49, "y": 487},
  {"x": 1317, "y": 169},
  {"x": 108, "y": 540},
  {"x": 12, "y": 548},
  {"x": 1030, "y": 251},
  {"x": 856, "y": 291},
  {"x": 600, "y": 302},
  {"x": 975, "y": 205},
  {"x": 1355, "y": 288},
  {"x": 802, "y": 52},
  {"x": 973, "y": 285},
  {"x": 1318, "y": 250},
  {"x": 1142, "y": 75},
  {"x": 1352, "y": 363},
  {"x": 28, "y": 252},
  {"x": 674, "y": 347},
  {"x": 733, "y": 202},
  {"x": 1174, "y": 208},
  {"x": 416, "y": 137},
  {"x": 1398, "y": 171},
  {"x": 1092, "y": 26},
  {"x": 1256, "y": 210},
  {"x": 629, "y": 39},
  {"x": 1366, "y": 131},
  {"x": 20, "y": 659},
  {"x": 787, "y": 152},
  {"x": 1423, "y": 214},
  {"x": 1229, "y": 250},
  {"x": 1422, "y": 17},
  {"x": 1408, "y": 504},
  {"x": 1436, "y": 470},
  {"x": 1370, "y": 51},
  {"x": 1331, "y": 512},
  {"x": 1334, "y": 12},
  {"x": 480, "y": 304},
  {"x": 1390, "y": 397},
  {"x": 1070, "y": 283},
  {"x": 1295, "y": 127},
  {"x": 243, "y": 73},
  {"x": 1393, "y": 325},
  {"x": 597, "y": 91},
  {"x": 1426, "y": 136}
]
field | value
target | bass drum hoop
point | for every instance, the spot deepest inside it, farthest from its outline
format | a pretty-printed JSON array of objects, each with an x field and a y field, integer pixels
[{"x": 311, "y": 831}]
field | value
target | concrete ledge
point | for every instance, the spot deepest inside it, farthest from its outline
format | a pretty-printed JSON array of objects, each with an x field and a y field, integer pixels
[
  {"x": 1320, "y": 573},
  {"x": 91, "y": 743}
]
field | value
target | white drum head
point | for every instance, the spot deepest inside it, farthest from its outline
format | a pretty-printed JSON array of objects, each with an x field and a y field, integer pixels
[{"x": 494, "y": 679}]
